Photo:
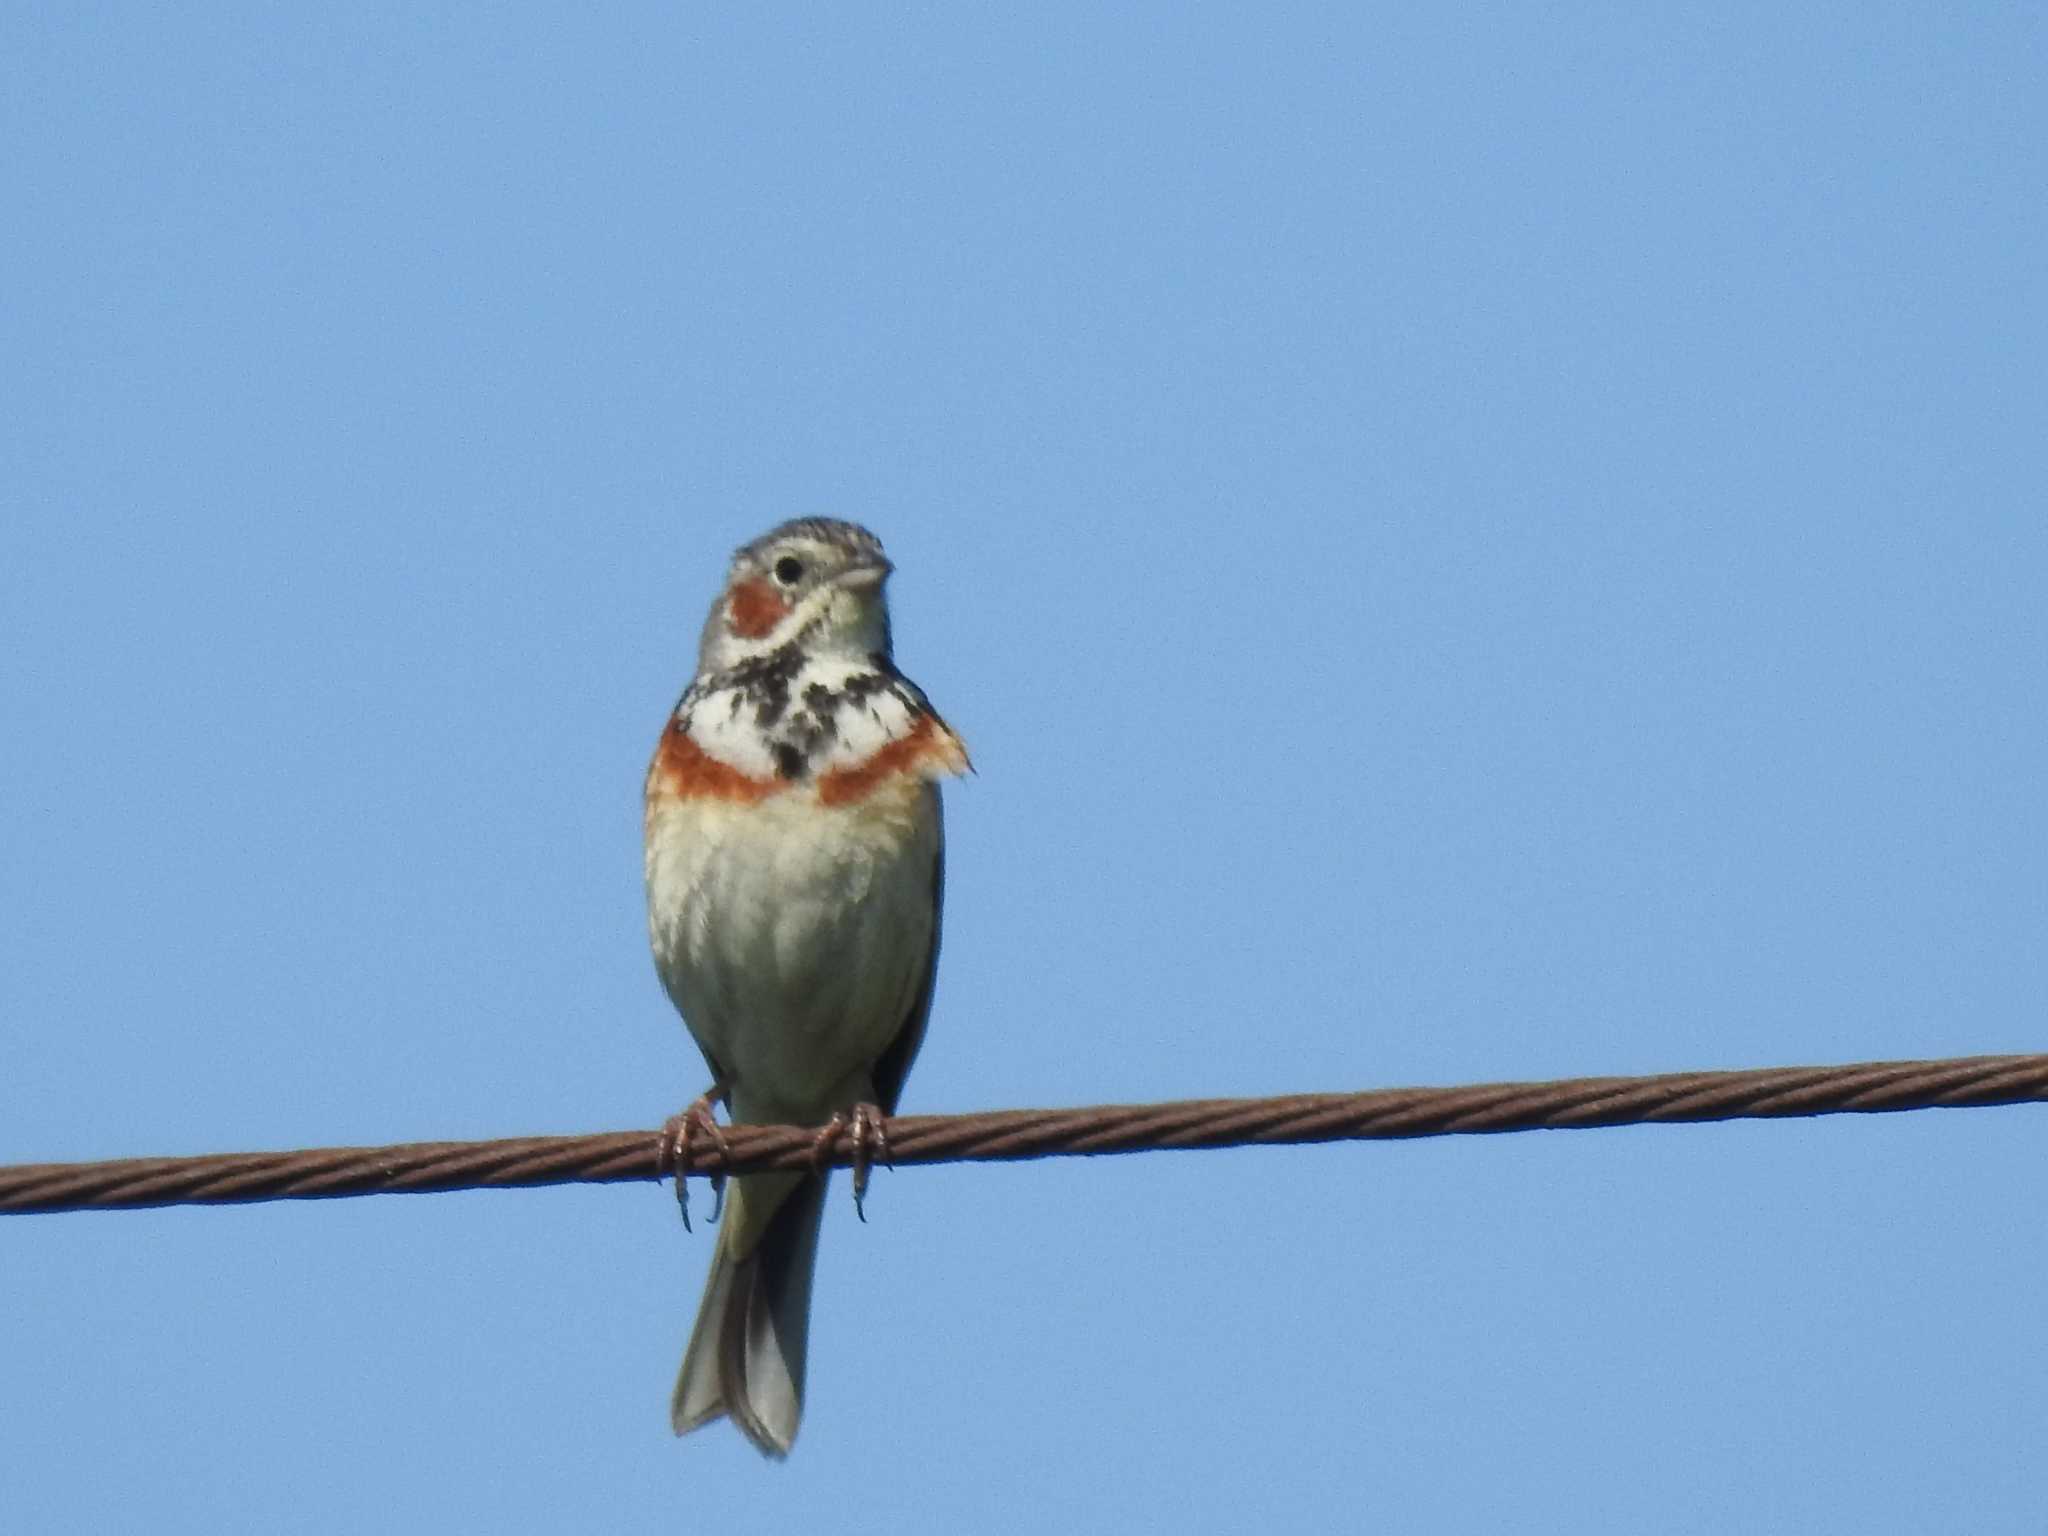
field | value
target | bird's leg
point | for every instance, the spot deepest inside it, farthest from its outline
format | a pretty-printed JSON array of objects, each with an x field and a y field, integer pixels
[
  {"x": 869, "y": 1128},
  {"x": 676, "y": 1135}
]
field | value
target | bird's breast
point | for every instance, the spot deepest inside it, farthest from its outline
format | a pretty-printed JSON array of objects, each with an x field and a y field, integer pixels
[
  {"x": 869, "y": 764},
  {"x": 792, "y": 918}
]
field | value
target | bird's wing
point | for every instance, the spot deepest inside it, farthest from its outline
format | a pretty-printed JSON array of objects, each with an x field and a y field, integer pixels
[{"x": 893, "y": 1066}]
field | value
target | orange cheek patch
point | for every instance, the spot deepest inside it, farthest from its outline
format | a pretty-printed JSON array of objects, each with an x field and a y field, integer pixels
[
  {"x": 685, "y": 770},
  {"x": 756, "y": 608},
  {"x": 928, "y": 741}
]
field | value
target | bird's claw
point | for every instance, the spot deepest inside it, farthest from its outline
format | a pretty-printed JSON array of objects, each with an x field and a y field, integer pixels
[
  {"x": 869, "y": 1128},
  {"x": 676, "y": 1138}
]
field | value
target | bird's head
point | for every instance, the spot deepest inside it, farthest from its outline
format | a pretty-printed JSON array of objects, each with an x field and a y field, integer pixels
[{"x": 815, "y": 581}]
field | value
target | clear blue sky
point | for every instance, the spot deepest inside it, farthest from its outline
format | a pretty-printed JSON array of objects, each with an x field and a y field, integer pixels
[{"x": 1467, "y": 543}]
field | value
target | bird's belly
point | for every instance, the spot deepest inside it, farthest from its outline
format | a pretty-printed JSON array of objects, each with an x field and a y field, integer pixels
[{"x": 793, "y": 936}]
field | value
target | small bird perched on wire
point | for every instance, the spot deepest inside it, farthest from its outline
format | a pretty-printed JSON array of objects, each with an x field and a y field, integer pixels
[{"x": 795, "y": 864}]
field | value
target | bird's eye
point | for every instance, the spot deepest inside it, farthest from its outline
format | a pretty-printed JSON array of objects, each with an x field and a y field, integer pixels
[{"x": 789, "y": 570}]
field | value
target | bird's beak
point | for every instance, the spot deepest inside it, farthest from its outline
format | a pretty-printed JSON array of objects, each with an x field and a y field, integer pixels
[{"x": 866, "y": 577}]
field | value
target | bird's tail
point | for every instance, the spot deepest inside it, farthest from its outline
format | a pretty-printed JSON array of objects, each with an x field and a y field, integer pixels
[{"x": 746, "y": 1353}]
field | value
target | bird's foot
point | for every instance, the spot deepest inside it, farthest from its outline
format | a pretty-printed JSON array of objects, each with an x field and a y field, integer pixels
[
  {"x": 869, "y": 1128},
  {"x": 698, "y": 1120}
]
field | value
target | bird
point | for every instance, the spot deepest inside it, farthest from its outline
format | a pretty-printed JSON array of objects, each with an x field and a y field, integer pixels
[{"x": 795, "y": 863}]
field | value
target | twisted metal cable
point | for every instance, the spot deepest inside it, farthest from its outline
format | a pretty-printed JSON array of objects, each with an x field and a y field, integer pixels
[{"x": 1011, "y": 1135}]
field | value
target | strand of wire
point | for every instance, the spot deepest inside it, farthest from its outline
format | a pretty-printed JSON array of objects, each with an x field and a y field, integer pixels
[{"x": 1386, "y": 1114}]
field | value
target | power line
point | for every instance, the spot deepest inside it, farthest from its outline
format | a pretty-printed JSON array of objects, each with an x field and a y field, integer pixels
[{"x": 1011, "y": 1135}]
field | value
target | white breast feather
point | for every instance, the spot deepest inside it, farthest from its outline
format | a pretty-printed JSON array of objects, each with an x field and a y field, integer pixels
[{"x": 794, "y": 935}]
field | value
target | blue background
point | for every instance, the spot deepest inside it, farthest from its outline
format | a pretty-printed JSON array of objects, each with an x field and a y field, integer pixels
[{"x": 1467, "y": 543}]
